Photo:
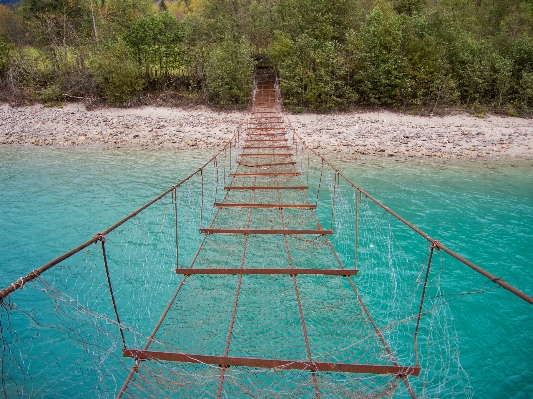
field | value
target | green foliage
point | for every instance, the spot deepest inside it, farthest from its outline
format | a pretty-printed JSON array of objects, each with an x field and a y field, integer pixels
[
  {"x": 408, "y": 7},
  {"x": 119, "y": 14},
  {"x": 157, "y": 43},
  {"x": 312, "y": 73},
  {"x": 11, "y": 29},
  {"x": 51, "y": 94},
  {"x": 428, "y": 79},
  {"x": 57, "y": 22},
  {"x": 117, "y": 73},
  {"x": 4, "y": 56},
  {"x": 526, "y": 89},
  {"x": 328, "y": 54},
  {"x": 228, "y": 74},
  {"x": 380, "y": 65}
]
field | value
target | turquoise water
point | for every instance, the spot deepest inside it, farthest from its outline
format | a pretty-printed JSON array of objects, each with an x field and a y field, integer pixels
[{"x": 53, "y": 199}]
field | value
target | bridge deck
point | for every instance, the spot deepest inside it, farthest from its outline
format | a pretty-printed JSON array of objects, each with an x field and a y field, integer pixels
[{"x": 266, "y": 308}]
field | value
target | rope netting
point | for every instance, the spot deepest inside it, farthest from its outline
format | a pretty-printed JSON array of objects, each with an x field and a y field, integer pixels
[
  {"x": 392, "y": 260},
  {"x": 264, "y": 274},
  {"x": 60, "y": 334}
]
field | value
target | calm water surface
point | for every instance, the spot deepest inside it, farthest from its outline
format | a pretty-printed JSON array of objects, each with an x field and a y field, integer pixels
[{"x": 53, "y": 199}]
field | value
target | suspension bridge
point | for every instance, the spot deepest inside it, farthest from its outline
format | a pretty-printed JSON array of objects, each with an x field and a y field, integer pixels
[{"x": 267, "y": 273}]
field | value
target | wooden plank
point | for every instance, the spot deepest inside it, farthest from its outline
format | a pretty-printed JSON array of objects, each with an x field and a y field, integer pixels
[
  {"x": 266, "y": 231},
  {"x": 264, "y": 206},
  {"x": 265, "y": 174},
  {"x": 230, "y": 361},
  {"x": 260, "y": 165},
  {"x": 265, "y": 155},
  {"x": 266, "y": 187},
  {"x": 267, "y": 147},
  {"x": 272, "y": 135},
  {"x": 325, "y": 272},
  {"x": 259, "y": 140}
]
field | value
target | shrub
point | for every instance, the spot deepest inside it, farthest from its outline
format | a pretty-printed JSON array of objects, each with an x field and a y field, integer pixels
[
  {"x": 50, "y": 94},
  {"x": 117, "y": 73},
  {"x": 4, "y": 56},
  {"x": 228, "y": 73},
  {"x": 313, "y": 73},
  {"x": 156, "y": 41},
  {"x": 526, "y": 89},
  {"x": 380, "y": 65}
]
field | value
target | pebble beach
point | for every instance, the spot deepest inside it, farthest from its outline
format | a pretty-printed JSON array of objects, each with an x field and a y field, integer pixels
[{"x": 353, "y": 134}]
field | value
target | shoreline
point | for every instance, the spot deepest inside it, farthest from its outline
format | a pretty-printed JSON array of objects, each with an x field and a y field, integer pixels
[{"x": 353, "y": 135}]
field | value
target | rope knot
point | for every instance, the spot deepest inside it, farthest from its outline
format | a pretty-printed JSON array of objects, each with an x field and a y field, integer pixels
[
  {"x": 435, "y": 244},
  {"x": 100, "y": 237}
]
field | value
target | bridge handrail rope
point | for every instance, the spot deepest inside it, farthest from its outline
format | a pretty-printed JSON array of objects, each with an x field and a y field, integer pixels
[
  {"x": 98, "y": 237},
  {"x": 435, "y": 243}
]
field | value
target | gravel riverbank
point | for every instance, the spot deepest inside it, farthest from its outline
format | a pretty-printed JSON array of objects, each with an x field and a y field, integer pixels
[{"x": 354, "y": 134}]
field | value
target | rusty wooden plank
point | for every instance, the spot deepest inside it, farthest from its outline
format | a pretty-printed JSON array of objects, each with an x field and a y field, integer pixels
[
  {"x": 259, "y": 140},
  {"x": 326, "y": 272},
  {"x": 272, "y": 363},
  {"x": 266, "y": 134},
  {"x": 268, "y": 129},
  {"x": 265, "y": 155},
  {"x": 266, "y": 231},
  {"x": 267, "y": 147},
  {"x": 266, "y": 187},
  {"x": 260, "y": 165},
  {"x": 265, "y": 174},
  {"x": 265, "y": 206}
]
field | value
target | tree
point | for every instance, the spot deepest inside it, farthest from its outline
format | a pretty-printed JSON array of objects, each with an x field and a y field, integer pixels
[
  {"x": 228, "y": 74},
  {"x": 157, "y": 42}
]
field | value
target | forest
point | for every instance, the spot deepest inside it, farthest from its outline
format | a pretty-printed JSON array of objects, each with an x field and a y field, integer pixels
[{"x": 422, "y": 56}]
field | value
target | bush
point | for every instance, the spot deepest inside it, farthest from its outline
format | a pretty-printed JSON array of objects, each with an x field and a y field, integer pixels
[
  {"x": 51, "y": 94},
  {"x": 156, "y": 41},
  {"x": 380, "y": 65},
  {"x": 4, "y": 56},
  {"x": 117, "y": 73},
  {"x": 27, "y": 71},
  {"x": 228, "y": 73},
  {"x": 526, "y": 90},
  {"x": 313, "y": 73},
  {"x": 471, "y": 64}
]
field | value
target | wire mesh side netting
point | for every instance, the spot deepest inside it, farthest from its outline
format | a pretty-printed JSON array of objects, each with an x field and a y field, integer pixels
[
  {"x": 63, "y": 332},
  {"x": 408, "y": 306}
]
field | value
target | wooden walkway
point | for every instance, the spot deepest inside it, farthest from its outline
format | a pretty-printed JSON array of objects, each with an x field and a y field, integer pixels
[{"x": 266, "y": 308}]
